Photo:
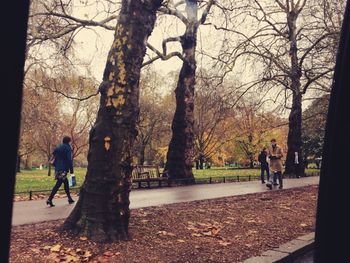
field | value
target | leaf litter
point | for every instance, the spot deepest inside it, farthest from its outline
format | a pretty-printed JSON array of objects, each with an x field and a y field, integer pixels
[{"x": 228, "y": 229}]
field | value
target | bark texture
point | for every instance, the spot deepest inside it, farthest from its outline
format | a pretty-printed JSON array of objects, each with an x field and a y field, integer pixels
[
  {"x": 294, "y": 139},
  {"x": 102, "y": 211},
  {"x": 294, "y": 142},
  {"x": 180, "y": 154}
]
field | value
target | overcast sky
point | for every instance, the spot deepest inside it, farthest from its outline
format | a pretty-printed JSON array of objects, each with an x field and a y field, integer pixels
[{"x": 92, "y": 45}]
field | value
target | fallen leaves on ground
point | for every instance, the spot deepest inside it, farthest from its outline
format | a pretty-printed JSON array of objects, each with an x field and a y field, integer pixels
[
  {"x": 228, "y": 229},
  {"x": 204, "y": 229},
  {"x": 58, "y": 253},
  {"x": 55, "y": 248}
]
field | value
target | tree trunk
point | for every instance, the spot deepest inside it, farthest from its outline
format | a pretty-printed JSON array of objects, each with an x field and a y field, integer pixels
[
  {"x": 294, "y": 140},
  {"x": 102, "y": 211},
  {"x": 28, "y": 163},
  {"x": 201, "y": 161},
  {"x": 295, "y": 117},
  {"x": 142, "y": 154},
  {"x": 180, "y": 154},
  {"x": 197, "y": 164},
  {"x": 18, "y": 164}
]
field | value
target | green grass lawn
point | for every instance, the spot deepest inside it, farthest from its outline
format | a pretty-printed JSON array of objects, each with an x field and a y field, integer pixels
[
  {"x": 38, "y": 180},
  {"x": 221, "y": 172},
  {"x": 216, "y": 172}
]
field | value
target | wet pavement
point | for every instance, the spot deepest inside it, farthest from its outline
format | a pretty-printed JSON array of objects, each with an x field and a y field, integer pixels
[{"x": 27, "y": 212}]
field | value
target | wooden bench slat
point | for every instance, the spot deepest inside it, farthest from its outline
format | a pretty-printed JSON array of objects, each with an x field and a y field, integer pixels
[{"x": 148, "y": 173}]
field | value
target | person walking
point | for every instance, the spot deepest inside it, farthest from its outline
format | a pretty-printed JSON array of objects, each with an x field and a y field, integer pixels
[
  {"x": 63, "y": 163},
  {"x": 275, "y": 154},
  {"x": 264, "y": 165}
]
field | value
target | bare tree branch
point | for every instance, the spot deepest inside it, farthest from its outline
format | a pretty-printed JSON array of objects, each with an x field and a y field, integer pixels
[
  {"x": 206, "y": 12},
  {"x": 171, "y": 11},
  {"x": 81, "y": 22},
  {"x": 161, "y": 56},
  {"x": 316, "y": 42}
]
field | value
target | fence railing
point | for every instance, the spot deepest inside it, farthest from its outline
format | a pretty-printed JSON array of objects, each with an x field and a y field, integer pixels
[
  {"x": 206, "y": 180},
  {"x": 31, "y": 192}
]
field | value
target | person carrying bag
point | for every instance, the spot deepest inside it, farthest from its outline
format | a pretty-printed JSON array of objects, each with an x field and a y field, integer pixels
[
  {"x": 63, "y": 162},
  {"x": 72, "y": 180}
]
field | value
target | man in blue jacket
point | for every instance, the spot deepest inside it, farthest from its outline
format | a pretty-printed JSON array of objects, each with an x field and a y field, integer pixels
[{"x": 63, "y": 163}]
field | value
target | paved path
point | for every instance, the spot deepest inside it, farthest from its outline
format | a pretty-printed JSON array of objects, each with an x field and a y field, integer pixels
[{"x": 27, "y": 212}]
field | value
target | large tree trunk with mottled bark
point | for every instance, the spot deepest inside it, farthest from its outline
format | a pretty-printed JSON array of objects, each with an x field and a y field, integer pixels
[
  {"x": 102, "y": 211},
  {"x": 181, "y": 148},
  {"x": 294, "y": 143},
  {"x": 180, "y": 154}
]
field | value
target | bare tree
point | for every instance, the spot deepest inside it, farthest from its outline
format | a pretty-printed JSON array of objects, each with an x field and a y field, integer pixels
[
  {"x": 152, "y": 117},
  {"x": 52, "y": 29},
  {"x": 79, "y": 113},
  {"x": 41, "y": 122},
  {"x": 180, "y": 154},
  {"x": 29, "y": 120},
  {"x": 290, "y": 40},
  {"x": 212, "y": 116}
]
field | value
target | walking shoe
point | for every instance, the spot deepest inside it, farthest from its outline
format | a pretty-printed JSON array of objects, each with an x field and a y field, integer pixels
[
  {"x": 280, "y": 187},
  {"x": 275, "y": 183},
  {"x": 49, "y": 202},
  {"x": 269, "y": 186},
  {"x": 263, "y": 182},
  {"x": 71, "y": 201}
]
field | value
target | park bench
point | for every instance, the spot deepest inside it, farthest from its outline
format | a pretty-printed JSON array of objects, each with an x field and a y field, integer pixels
[{"x": 148, "y": 174}]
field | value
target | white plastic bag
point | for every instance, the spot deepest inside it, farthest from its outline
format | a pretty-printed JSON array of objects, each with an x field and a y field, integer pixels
[{"x": 72, "y": 180}]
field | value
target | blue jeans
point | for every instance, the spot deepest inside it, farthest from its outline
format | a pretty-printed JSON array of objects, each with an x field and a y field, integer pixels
[{"x": 278, "y": 175}]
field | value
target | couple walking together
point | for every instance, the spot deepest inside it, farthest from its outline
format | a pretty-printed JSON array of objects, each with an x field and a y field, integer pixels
[{"x": 275, "y": 155}]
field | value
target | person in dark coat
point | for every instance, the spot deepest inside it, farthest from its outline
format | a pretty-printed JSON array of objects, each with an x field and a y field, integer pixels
[
  {"x": 63, "y": 163},
  {"x": 264, "y": 165}
]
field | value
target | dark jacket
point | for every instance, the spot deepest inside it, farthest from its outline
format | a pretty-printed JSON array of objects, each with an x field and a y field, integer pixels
[
  {"x": 63, "y": 158},
  {"x": 262, "y": 158}
]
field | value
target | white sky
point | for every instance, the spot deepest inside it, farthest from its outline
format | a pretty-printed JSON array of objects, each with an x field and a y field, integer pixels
[{"x": 93, "y": 45}]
